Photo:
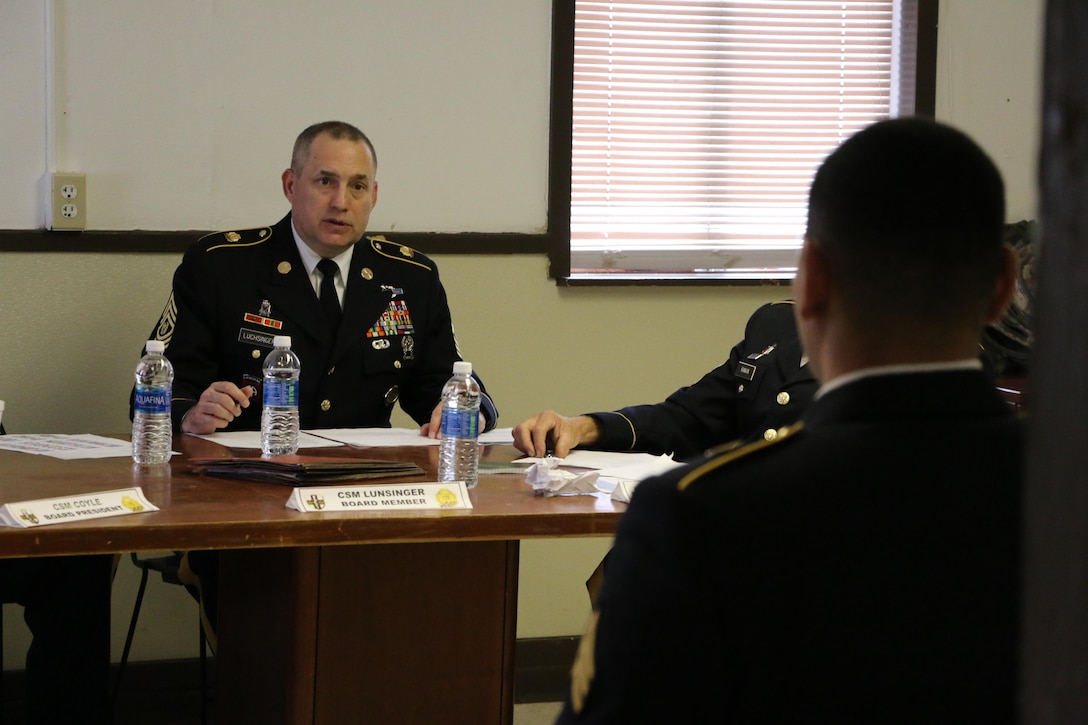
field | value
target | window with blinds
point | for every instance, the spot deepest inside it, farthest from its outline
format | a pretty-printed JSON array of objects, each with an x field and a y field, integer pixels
[{"x": 698, "y": 124}]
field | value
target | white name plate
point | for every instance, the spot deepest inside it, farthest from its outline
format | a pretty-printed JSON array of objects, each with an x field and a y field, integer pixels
[
  {"x": 403, "y": 496},
  {"x": 45, "y": 511}
]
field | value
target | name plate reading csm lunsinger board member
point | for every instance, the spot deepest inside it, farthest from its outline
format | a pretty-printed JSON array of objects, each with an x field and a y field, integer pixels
[
  {"x": 403, "y": 496},
  {"x": 45, "y": 511}
]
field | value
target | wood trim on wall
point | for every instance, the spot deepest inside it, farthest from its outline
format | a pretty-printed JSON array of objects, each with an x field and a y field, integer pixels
[{"x": 159, "y": 242}]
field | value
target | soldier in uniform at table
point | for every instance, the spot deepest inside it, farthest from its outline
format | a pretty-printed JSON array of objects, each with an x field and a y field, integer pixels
[
  {"x": 764, "y": 385},
  {"x": 864, "y": 566},
  {"x": 368, "y": 318}
]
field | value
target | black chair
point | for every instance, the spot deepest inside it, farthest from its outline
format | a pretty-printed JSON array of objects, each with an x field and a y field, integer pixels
[
  {"x": 2, "y": 703},
  {"x": 2, "y": 432},
  {"x": 168, "y": 567}
]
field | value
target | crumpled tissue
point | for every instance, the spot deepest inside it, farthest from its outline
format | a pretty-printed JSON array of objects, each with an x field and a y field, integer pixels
[{"x": 549, "y": 480}]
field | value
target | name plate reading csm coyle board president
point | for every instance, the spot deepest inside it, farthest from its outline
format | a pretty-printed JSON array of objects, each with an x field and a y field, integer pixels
[
  {"x": 403, "y": 496},
  {"x": 122, "y": 502}
]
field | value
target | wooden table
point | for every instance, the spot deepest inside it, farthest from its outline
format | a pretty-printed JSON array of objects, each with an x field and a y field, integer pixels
[{"x": 404, "y": 617}]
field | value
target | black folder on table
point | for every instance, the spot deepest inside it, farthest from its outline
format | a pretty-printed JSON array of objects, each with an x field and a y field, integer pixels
[{"x": 303, "y": 470}]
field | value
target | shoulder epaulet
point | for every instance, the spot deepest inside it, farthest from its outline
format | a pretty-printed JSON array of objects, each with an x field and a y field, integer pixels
[
  {"x": 730, "y": 452},
  {"x": 399, "y": 252},
  {"x": 236, "y": 238}
]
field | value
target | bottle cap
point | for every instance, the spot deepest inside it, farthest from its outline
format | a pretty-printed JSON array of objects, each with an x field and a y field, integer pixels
[
  {"x": 281, "y": 341},
  {"x": 462, "y": 368},
  {"x": 154, "y": 346}
]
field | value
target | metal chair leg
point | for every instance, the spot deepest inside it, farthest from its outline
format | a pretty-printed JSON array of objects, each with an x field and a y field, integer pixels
[
  {"x": 165, "y": 567},
  {"x": 203, "y": 673},
  {"x": 129, "y": 636}
]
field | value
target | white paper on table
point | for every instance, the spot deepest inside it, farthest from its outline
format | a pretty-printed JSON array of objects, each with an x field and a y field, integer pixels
[
  {"x": 376, "y": 437},
  {"x": 498, "y": 437},
  {"x": 252, "y": 439},
  {"x": 625, "y": 478},
  {"x": 382, "y": 437},
  {"x": 641, "y": 469},
  {"x": 622, "y": 489},
  {"x": 611, "y": 462},
  {"x": 68, "y": 447}
]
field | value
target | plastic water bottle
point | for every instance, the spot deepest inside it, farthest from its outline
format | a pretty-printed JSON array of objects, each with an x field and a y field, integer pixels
[
  {"x": 459, "y": 447},
  {"x": 151, "y": 435},
  {"x": 279, "y": 414}
]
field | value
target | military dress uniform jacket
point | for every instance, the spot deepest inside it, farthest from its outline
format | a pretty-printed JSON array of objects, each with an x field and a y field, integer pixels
[
  {"x": 760, "y": 388},
  {"x": 860, "y": 569},
  {"x": 234, "y": 291}
]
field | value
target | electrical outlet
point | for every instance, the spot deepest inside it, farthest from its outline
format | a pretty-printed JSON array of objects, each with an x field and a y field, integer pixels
[{"x": 68, "y": 202}]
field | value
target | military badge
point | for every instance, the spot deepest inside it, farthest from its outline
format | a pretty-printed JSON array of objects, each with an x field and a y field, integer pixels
[
  {"x": 255, "y": 337},
  {"x": 165, "y": 329},
  {"x": 746, "y": 370},
  {"x": 396, "y": 320},
  {"x": 262, "y": 317}
]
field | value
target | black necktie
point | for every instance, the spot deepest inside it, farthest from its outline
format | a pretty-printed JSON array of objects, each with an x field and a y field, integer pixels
[{"x": 330, "y": 304}]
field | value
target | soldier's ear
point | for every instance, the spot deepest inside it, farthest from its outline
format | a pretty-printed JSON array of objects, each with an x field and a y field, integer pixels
[
  {"x": 812, "y": 286},
  {"x": 1004, "y": 284},
  {"x": 288, "y": 179}
]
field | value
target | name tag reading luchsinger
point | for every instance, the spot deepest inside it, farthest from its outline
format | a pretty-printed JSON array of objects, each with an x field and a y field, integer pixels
[
  {"x": 404, "y": 496},
  {"x": 45, "y": 511}
]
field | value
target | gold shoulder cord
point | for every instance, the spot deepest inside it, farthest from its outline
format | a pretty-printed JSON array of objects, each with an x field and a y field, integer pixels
[
  {"x": 735, "y": 453},
  {"x": 405, "y": 253},
  {"x": 236, "y": 239}
]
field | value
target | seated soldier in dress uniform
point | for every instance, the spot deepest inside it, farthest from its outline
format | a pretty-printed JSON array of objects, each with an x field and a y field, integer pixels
[
  {"x": 863, "y": 566},
  {"x": 764, "y": 385},
  {"x": 368, "y": 318}
]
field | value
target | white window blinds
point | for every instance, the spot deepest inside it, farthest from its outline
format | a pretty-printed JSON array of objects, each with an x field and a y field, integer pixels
[{"x": 698, "y": 125}]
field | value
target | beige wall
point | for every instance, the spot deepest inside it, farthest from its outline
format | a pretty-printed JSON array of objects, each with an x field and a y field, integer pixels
[{"x": 72, "y": 324}]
